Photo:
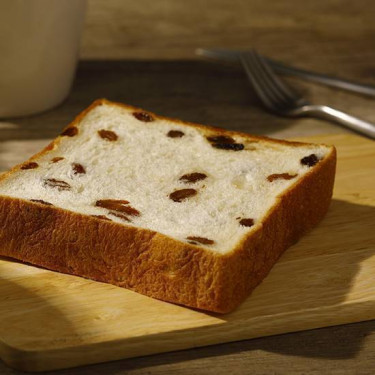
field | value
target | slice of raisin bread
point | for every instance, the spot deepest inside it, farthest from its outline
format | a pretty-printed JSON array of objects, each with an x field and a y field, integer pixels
[{"x": 181, "y": 212}]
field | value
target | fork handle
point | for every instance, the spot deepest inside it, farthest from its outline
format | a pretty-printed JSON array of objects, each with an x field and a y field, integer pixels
[{"x": 342, "y": 118}]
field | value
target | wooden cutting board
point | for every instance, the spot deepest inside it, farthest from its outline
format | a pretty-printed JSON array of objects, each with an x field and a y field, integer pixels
[{"x": 51, "y": 321}]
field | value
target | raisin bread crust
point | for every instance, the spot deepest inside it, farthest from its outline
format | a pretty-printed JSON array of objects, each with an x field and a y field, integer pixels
[{"x": 155, "y": 264}]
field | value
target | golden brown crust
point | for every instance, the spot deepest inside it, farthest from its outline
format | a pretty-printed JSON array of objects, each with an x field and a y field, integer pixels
[
  {"x": 205, "y": 128},
  {"x": 297, "y": 211},
  {"x": 98, "y": 102},
  {"x": 157, "y": 265},
  {"x": 52, "y": 145}
]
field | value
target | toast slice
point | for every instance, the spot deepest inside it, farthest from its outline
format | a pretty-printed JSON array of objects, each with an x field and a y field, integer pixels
[{"x": 181, "y": 212}]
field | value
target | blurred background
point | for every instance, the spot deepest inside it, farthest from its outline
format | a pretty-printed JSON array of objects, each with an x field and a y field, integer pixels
[
  {"x": 142, "y": 53},
  {"x": 317, "y": 31}
]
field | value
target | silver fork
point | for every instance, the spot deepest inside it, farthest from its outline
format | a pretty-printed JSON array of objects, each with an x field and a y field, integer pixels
[{"x": 277, "y": 97}]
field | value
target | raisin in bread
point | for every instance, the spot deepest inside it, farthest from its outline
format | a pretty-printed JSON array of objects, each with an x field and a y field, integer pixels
[{"x": 181, "y": 212}]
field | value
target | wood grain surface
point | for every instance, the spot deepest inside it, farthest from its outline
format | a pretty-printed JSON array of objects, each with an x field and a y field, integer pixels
[
  {"x": 196, "y": 91},
  {"x": 234, "y": 106},
  {"x": 323, "y": 32},
  {"x": 331, "y": 36},
  {"x": 326, "y": 279}
]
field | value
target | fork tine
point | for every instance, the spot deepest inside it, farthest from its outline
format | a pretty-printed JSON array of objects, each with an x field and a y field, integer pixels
[
  {"x": 273, "y": 79},
  {"x": 279, "y": 100},
  {"x": 256, "y": 83},
  {"x": 270, "y": 96}
]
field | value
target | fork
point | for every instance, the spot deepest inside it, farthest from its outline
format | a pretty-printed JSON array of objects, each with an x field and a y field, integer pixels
[{"x": 278, "y": 98}]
